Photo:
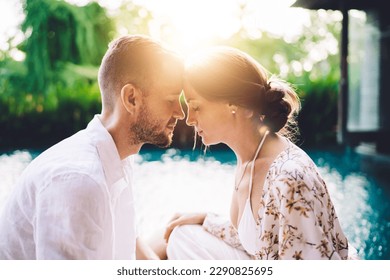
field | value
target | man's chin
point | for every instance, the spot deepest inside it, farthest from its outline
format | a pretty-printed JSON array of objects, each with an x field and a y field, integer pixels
[{"x": 163, "y": 142}]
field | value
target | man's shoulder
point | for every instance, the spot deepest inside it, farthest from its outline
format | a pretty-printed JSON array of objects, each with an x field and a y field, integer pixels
[{"x": 73, "y": 155}]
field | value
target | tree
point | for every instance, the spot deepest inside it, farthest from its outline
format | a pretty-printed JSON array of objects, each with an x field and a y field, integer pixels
[{"x": 59, "y": 33}]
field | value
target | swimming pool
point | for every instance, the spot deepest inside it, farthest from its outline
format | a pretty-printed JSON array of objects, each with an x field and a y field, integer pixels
[{"x": 169, "y": 181}]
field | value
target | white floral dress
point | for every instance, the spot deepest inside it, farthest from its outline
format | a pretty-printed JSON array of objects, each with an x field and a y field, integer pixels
[{"x": 296, "y": 218}]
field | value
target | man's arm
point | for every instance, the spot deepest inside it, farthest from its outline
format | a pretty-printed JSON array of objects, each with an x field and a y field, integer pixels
[
  {"x": 70, "y": 219},
  {"x": 144, "y": 251}
]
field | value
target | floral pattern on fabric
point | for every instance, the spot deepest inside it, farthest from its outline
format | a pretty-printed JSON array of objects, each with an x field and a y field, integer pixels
[
  {"x": 223, "y": 229},
  {"x": 296, "y": 218}
]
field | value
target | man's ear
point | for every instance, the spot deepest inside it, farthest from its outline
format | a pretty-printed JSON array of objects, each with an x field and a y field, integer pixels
[{"x": 130, "y": 97}]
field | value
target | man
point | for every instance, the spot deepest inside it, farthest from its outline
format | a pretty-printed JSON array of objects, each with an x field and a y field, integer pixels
[{"x": 75, "y": 200}]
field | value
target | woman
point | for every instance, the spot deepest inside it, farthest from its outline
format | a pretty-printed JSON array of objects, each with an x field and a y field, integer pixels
[{"x": 280, "y": 207}]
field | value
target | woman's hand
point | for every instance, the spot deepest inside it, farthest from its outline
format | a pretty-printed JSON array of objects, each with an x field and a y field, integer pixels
[{"x": 183, "y": 219}]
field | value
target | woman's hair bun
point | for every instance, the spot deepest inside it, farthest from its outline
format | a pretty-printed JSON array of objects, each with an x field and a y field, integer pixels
[{"x": 276, "y": 109}]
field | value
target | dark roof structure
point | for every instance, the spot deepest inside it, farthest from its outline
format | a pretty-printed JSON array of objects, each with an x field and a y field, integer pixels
[{"x": 337, "y": 4}]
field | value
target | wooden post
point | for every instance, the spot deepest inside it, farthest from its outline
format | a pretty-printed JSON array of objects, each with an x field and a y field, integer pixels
[
  {"x": 383, "y": 139},
  {"x": 343, "y": 87}
]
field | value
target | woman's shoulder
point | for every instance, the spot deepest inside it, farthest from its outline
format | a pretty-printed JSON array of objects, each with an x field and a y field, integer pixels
[
  {"x": 294, "y": 172},
  {"x": 292, "y": 154},
  {"x": 292, "y": 162}
]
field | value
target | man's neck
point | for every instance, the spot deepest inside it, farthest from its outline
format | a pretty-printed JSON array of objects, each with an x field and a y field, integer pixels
[{"x": 119, "y": 134}]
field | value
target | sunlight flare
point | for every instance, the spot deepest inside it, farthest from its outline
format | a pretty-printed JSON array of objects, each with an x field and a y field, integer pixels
[{"x": 189, "y": 25}]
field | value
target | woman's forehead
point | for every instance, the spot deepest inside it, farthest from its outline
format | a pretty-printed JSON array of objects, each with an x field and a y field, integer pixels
[{"x": 190, "y": 94}]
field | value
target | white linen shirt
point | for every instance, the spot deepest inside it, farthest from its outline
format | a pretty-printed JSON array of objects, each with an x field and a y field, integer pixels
[{"x": 74, "y": 201}]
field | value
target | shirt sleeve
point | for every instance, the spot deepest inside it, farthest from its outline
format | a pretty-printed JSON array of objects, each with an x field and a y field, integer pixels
[
  {"x": 70, "y": 218},
  {"x": 307, "y": 220},
  {"x": 223, "y": 229}
]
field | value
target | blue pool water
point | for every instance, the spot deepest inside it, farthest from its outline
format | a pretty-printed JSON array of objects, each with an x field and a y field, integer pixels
[{"x": 169, "y": 181}]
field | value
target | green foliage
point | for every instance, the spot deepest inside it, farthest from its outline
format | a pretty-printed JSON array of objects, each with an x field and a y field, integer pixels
[
  {"x": 12, "y": 75},
  {"x": 131, "y": 18},
  {"x": 54, "y": 92},
  {"x": 317, "y": 119},
  {"x": 59, "y": 32},
  {"x": 38, "y": 120}
]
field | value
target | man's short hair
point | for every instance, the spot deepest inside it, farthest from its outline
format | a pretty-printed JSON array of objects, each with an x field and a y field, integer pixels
[{"x": 136, "y": 59}]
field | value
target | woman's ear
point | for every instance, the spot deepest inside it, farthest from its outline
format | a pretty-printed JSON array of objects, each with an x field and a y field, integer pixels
[
  {"x": 130, "y": 97},
  {"x": 262, "y": 117},
  {"x": 245, "y": 112},
  {"x": 248, "y": 113},
  {"x": 232, "y": 108}
]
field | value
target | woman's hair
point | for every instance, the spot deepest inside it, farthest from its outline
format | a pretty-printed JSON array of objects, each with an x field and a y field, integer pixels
[{"x": 229, "y": 75}]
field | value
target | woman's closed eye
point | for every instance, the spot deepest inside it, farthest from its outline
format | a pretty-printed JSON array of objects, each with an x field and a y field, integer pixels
[{"x": 195, "y": 108}]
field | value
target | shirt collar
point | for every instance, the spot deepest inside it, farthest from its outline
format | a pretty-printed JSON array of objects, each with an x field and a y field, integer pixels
[{"x": 111, "y": 162}]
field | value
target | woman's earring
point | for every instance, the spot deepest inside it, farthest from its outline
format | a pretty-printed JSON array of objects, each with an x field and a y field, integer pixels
[
  {"x": 262, "y": 117},
  {"x": 233, "y": 112}
]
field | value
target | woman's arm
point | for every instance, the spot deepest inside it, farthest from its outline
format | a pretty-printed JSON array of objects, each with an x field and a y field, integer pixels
[
  {"x": 223, "y": 229},
  {"x": 213, "y": 223},
  {"x": 183, "y": 219},
  {"x": 308, "y": 224}
]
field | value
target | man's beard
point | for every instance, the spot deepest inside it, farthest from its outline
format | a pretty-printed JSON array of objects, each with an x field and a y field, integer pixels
[{"x": 148, "y": 130}]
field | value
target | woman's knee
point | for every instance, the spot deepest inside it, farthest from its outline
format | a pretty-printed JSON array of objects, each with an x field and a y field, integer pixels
[
  {"x": 181, "y": 238},
  {"x": 180, "y": 233}
]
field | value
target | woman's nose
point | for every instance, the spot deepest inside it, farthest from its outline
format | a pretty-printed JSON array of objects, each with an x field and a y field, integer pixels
[
  {"x": 190, "y": 119},
  {"x": 179, "y": 113}
]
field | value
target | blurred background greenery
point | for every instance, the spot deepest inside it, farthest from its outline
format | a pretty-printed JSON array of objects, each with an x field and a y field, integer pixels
[{"x": 48, "y": 67}]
